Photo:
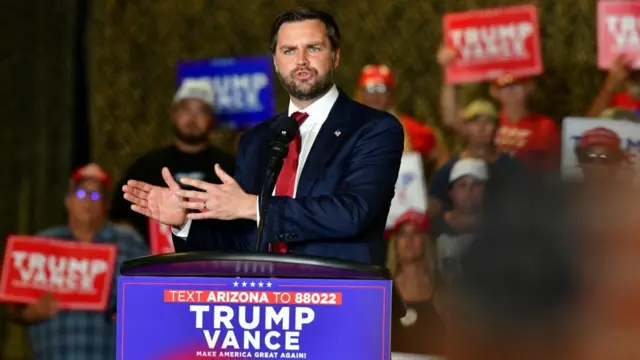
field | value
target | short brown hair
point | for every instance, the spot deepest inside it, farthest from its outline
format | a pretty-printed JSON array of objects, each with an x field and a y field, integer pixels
[{"x": 302, "y": 14}]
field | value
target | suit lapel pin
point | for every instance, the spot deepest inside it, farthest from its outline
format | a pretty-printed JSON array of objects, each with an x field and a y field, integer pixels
[{"x": 337, "y": 133}]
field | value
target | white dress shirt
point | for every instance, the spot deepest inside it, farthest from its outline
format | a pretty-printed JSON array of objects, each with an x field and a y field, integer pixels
[{"x": 318, "y": 113}]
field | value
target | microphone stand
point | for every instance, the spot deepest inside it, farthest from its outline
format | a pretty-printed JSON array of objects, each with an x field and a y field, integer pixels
[{"x": 279, "y": 151}]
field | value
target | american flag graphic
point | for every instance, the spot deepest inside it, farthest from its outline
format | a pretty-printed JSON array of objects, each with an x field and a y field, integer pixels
[{"x": 404, "y": 181}]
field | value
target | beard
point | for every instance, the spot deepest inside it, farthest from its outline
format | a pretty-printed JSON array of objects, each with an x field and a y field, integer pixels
[
  {"x": 191, "y": 139},
  {"x": 305, "y": 89}
]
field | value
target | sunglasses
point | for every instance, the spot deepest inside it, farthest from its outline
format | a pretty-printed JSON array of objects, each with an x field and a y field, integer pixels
[
  {"x": 376, "y": 89},
  {"x": 84, "y": 194},
  {"x": 606, "y": 159}
]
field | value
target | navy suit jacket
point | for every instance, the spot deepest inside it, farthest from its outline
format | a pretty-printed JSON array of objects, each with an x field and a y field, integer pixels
[{"x": 343, "y": 194}]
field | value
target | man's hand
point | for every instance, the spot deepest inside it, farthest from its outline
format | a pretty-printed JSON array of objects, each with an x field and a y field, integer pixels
[
  {"x": 224, "y": 202},
  {"x": 445, "y": 55},
  {"x": 159, "y": 203},
  {"x": 619, "y": 71},
  {"x": 46, "y": 308}
]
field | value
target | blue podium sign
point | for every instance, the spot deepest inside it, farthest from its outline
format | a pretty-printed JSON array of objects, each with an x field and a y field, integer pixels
[
  {"x": 244, "y": 90},
  {"x": 166, "y": 318}
]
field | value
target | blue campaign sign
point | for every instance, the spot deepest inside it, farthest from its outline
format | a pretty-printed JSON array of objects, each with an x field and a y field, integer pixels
[
  {"x": 189, "y": 318},
  {"x": 243, "y": 87}
]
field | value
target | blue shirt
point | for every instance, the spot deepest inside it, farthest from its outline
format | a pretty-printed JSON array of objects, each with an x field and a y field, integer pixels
[{"x": 85, "y": 335}]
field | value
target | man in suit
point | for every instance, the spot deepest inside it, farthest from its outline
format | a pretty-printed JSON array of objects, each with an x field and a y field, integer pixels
[{"x": 333, "y": 195}]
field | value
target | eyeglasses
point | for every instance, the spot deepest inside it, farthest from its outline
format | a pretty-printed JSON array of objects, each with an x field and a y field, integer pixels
[
  {"x": 606, "y": 159},
  {"x": 376, "y": 89},
  {"x": 92, "y": 195}
]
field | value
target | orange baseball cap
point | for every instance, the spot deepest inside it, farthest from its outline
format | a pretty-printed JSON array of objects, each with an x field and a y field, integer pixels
[
  {"x": 376, "y": 74},
  {"x": 508, "y": 79}
]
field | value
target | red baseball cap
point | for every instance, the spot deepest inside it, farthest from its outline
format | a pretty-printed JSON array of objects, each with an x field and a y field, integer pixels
[
  {"x": 600, "y": 136},
  {"x": 91, "y": 171},
  {"x": 376, "y": 74},
  {"x": 418, "y": 219}
]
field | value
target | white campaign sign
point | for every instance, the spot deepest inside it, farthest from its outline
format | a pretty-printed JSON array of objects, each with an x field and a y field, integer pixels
[
  {"x": 574, "y": 127},
  {"x": 411, "y": 188}
]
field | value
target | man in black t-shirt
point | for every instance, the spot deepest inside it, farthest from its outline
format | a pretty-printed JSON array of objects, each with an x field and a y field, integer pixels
[
  {"x": 190, "y": 155},
  {"x": 454, "y": 230}
]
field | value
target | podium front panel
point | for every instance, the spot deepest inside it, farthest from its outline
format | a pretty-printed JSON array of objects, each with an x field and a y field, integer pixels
[{"x": 168, "y": 318}]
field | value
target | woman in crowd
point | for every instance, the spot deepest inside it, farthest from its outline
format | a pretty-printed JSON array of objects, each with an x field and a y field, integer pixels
[{"x": 411, "y": 259}]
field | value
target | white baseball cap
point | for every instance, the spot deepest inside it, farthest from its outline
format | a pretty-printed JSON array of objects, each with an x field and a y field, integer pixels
[
  {"x": 199, "y": 89},
  {"x": 469, "y": 166}
]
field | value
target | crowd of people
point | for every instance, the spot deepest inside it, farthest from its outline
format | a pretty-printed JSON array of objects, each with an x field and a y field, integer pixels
[
  {"x": 476, "y": 195},
  {"x": 488, "y": 183}
]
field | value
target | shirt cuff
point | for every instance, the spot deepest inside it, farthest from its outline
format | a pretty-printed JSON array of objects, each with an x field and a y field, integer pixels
[
  {"x": 258, "y": 211},
  {"x": 182, "y": 233}
]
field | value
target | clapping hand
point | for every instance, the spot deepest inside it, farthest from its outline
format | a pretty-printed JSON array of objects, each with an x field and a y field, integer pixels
[
  {"x": 159, "y": 203},
  {"x": 226, "y": 201}
]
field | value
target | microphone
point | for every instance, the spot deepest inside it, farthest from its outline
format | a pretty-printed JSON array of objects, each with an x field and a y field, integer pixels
[{"x": 286, "y": 130}]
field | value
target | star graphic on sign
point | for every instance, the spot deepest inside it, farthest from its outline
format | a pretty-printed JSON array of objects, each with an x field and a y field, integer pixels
[
  {"x": 260, "y": 284},
  {"x": 244, "y": 284},
  {"x": 269, "y": 284},
  {"x": 235, "y": 284},
  {"x": 253, "y": 284}
]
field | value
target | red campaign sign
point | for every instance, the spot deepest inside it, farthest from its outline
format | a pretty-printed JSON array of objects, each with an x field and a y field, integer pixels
[
  {"x": 493, "y": 42},
  {"x": 160, "y": 241},
  {"x": 618, "y": 31},
  {"x": 79, "y": 275}
]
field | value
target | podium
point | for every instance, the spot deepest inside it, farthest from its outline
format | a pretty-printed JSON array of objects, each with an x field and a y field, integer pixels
[{"x": 254, "y": 306}]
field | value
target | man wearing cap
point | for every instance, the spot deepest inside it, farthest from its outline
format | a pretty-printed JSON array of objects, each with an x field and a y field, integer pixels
[
  {"x": 601, "y": 157},
  {"x": 478, "y": 128},
  {"x": 58, "y": 334},
  {"x": 190, "y": 155},
  {"x": 376, "y": 88},
  {"x": 621, "y": 88},
  {"x": 453, "y": 230},
  {"x": 530, "y": 137},
  {"x": 606, "y": 171},
  {"x": 333, "y": 195}
]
